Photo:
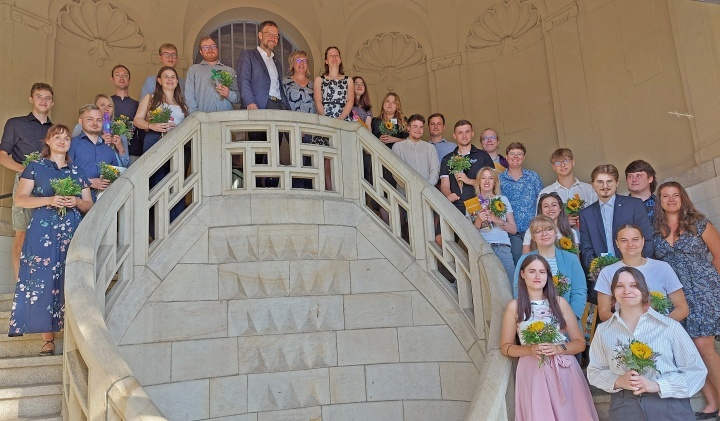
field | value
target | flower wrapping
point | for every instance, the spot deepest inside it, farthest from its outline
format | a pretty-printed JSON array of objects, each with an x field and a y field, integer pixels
[{"x": 222, "y": 77}]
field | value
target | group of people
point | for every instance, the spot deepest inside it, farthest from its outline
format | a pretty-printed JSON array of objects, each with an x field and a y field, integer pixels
[{"x": 548, "y": 238}]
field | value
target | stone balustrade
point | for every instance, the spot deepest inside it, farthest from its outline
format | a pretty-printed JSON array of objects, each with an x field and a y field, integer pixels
[{"x": 211, "y": 156}]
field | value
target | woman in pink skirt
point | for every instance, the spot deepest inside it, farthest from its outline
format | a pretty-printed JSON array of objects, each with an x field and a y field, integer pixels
[{"x": 549, "y": 384}]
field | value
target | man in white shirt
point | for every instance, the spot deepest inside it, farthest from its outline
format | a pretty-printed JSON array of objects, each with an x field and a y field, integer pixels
[
  {"x": 567, "y": 185},
  {"x": 260, "y": 72},
  {"x": 417, "y": 153}
]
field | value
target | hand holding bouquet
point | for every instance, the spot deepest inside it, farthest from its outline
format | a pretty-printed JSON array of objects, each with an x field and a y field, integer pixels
[
  {"x": 109, "y": 172},
  {"x": 65, "y": 187},
  {"x": 541, "y": 333},
  {"x": 388, "y": 128},
  {"x": 221, "y": 77},
  {"x": 459, "y": 164},
  {"x": 635, "y": 355},
  {"x": 161, "y": 114},
  {"x": 122, "y": 126}
]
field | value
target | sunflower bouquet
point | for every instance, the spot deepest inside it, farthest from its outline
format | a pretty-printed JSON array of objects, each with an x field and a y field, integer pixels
[
  {"x": 65, "y": 187},
  {"x": 389, "y": 127},
  {"x": 540, "y": 332},
  {"x": 598, "y": 263},
  {"x": 497, "y": 207},
  {"x": 660, "y": 302},
  {"x": 562, "y": 283},
  {"x": 574, "y": 205},
  {"x": 457, "y": 164},
  {"x": 122, "y": 126},
  {"x": 109, "y": 172},
  {"x": 567, "y": 244},
  {"x": 31, "y": 157},
  {"x": 635, "y": 355}
]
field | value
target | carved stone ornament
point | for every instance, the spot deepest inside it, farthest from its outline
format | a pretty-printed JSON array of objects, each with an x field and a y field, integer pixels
[
  {"x": 104, "y": 27},
  {"x": 503, "y": 25},
  {"x": 388, "y": 54}
]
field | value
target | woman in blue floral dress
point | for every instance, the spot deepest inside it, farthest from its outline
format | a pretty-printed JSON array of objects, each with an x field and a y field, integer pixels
[
  {"x": 39, "y": 304},
  {"x": 684, "y": 238}
]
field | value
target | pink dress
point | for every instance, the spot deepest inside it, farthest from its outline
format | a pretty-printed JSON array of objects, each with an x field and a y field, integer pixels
[{"x": 555, "y": 391}]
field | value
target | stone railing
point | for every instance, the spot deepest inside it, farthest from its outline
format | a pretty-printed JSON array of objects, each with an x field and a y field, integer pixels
[{"x": 265, "y": 153}]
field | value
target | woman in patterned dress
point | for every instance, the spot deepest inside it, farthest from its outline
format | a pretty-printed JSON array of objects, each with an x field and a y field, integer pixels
[
  {"x": 297, "y": 86},
  {"x": 39, "y": 303},
  {"x": 334, "y": 91},
  {"x": 683, "y": 238}
]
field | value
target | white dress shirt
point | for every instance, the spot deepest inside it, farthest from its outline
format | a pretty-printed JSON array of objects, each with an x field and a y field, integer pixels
[
  {"x": 272, "y": 70},
  {"x": 683, "y": 372},
  {"x": 421, "y": 156},
  {"x": 584, "y": 190}
]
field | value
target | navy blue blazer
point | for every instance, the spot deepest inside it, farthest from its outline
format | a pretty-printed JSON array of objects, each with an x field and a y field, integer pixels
[
  {"x": 255, "y": 79},
  {"x": 627, "y": 210}
]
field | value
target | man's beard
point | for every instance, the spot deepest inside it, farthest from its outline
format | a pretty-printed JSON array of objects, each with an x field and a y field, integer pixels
[{"x": 97, "y": 132}]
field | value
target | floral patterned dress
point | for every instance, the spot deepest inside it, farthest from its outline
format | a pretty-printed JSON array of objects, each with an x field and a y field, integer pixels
[
  {"x": 334, "y": 97},
  {"x": 39, "y": 302},
  {"x": 700, "y": 280}
]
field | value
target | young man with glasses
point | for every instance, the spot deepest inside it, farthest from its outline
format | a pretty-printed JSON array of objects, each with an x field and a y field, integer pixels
[
  {"x": 261, "y": 73},
  {"x": 168, "y": 55},
  {"x": 202, "y": 93},
  {"x": 521, "y": 187},
  {"x": 567, "y": 185},
  {"x": 491, "y": 144}
]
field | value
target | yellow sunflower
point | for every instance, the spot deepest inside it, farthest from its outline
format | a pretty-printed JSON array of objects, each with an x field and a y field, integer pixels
[
  {"x": 556, "y": 280},
  {"x": 389, "y": 125},
  {"x": 536, "y": 326},
  {"x": 657, "y": 295},
  {"x": 573, "y": 204},
  {"x": 641, "y": 350},
  {"x": 565, "y": 243},
  {"x": 499, "y": 206}
]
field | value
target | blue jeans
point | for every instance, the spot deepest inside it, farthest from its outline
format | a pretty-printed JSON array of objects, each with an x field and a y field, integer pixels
[
  {"x": 516, "y": 244},
  {"x": 503, "y": 253}
]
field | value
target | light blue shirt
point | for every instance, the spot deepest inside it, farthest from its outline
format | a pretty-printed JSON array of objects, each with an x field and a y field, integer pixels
[
  {"x": 606, "y": 210},
  {"x": 201, "y": 95},
  {"x": 523, "y": 194},
  {"x": 443, "y": 147}
]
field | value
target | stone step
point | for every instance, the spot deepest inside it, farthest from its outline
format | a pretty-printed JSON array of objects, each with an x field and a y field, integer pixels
[
  {"x": 27, "y": 345},
  {"x": 37, "y": 400},
  {"x": 6, "y": 301},
  {"x": 54, "y": 417},
  {"x": 27, "y": 371}
]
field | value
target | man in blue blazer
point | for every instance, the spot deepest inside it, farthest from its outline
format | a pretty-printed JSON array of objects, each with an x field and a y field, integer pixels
[
  {"x": 260, "y": 72},
  {"x": 599, "y": 221}
]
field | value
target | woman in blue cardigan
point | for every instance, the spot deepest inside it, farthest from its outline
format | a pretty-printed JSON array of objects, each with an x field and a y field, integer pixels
[{"x": 565, "y": 266}]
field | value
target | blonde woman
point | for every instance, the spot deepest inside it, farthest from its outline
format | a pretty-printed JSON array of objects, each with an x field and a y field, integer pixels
[{"x": 392, "y": 116}]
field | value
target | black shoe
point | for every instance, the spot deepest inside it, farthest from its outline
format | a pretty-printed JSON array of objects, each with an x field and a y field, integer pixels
[
  {"x": 706, "y": 415},
  {"x": 47, "y": 352}
]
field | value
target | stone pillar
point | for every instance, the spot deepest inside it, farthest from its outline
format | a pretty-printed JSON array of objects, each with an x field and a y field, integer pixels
[{"x": 569, "y": 88}]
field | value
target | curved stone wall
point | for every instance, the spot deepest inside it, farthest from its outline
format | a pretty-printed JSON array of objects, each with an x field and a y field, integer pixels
[{"x": 320, "y": 313}]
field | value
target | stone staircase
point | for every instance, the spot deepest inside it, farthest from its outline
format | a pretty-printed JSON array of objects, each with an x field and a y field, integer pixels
[{"x": 30, "y": 386}]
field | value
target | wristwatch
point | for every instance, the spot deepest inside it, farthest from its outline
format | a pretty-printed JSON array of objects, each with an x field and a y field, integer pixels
[{"x": 564, "y": 348}]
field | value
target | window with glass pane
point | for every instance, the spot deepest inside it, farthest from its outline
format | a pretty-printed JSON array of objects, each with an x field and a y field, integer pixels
[{"x": 234, "y": 37}]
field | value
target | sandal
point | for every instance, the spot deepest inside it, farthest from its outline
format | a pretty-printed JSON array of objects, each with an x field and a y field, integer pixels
[{"x": 47, "y": 352}]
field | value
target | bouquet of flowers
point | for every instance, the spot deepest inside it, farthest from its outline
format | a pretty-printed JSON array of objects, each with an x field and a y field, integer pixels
[
  {"x": 660, "y": 302},
  {"x": 65, "y": 187},
  {"x": 161, "y": 114},
  {"x": 598, "y": 263},
  {"x": 635, "y": 355},
  {"x": 389, "y": 127},
  {"x": 109, "y": 172},
  {"x": 122, "y": 126},
  {"x": 457, "y": 164},
  {"x": 540, "y": 333},
  {"x": 32, "y": 157},
  {"x": 567, "y": 244},
  {"x": 574, "y": 205},
  {"x": 221, "y": 77},
  {"x": 562, "y": 283}
]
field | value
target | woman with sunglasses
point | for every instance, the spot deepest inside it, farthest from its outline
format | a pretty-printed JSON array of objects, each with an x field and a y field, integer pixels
[
  {"x": 551, "y": 205},
  {"x": 562, "y": 263}
]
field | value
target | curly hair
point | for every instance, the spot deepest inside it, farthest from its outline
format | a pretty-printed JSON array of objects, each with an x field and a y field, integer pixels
[{"x": 688, "y": 216}]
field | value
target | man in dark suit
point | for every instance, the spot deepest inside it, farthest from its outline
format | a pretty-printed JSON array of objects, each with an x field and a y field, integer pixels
[
  {"x": 261, "y": 74},
  {"x": 599, "y": 221}
]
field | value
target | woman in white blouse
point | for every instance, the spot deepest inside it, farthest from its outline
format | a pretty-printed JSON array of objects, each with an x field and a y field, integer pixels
[{"x": 657, "y": 395}]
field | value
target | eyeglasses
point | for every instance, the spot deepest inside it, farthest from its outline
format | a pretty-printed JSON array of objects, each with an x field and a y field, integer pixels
[
  {"x": 563, "y": 162},
  {"x": 301, "y": 60},
  {"x": 209, "y": 47},
  {"x": 271, "y": 35},
  {"x": 489, "y": 138},
  {"x": 544, "y": 231},
  {"x": 169, "y": 55},
  {"x": 121, "y": 76}
]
